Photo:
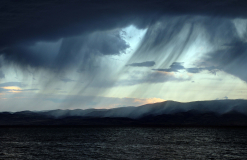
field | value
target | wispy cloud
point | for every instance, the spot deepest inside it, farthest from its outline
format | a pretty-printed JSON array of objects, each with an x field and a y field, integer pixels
[
  {"x": 67, "y": 80},
  {"x": 142, "y": 64},
  {"x": 177, "y": 66}
]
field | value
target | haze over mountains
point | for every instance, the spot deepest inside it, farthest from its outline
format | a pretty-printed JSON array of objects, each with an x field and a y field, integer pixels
[{"x": 168, "y": 113}]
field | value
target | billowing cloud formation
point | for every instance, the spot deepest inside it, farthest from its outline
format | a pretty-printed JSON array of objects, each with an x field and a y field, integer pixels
[
  {"x": 67, "y": 52},
  {"x": 142, "y": 64},
  {"x": 75, "y": 17},
  {"x": 65, "y": 18}
]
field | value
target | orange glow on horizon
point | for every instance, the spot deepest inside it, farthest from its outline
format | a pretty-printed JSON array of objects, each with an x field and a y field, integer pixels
[{"x": 149, "y": 100}]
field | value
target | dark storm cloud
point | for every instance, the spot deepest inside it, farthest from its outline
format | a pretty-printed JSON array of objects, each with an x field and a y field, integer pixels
[
  {"x": 80, "y": 50},
  {"x": 26, "y": 22},
  {"x": 50, "y": 20},
  {"x": 23, "y": 56},
  {"x": 142, "y": 64},
  {"x": 85, "y": 50}
]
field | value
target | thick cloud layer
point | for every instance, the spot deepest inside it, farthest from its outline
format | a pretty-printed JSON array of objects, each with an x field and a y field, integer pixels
[
  {"x": 25, "y": 23},
  {"x": 68, "y": 51},
  {"x": 51, "y": 20}
]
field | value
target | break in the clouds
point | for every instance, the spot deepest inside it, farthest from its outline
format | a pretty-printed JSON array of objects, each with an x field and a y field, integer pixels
[
  {"x": 142, "y": 64},
  {"x": 123, "y": 48}
]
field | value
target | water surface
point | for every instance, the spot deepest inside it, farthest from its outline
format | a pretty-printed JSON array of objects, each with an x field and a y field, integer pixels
[{"x": 123, "y": 143}]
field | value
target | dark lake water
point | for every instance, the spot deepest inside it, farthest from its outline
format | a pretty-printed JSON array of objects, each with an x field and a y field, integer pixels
[{"x": 123, "y": 143}]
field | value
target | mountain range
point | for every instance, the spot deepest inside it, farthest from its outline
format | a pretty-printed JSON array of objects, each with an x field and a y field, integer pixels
[{"x": 168, "y": 113}]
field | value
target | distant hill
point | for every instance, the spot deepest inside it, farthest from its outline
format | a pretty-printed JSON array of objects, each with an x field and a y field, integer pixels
[{"x": 168, "y": 113}]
